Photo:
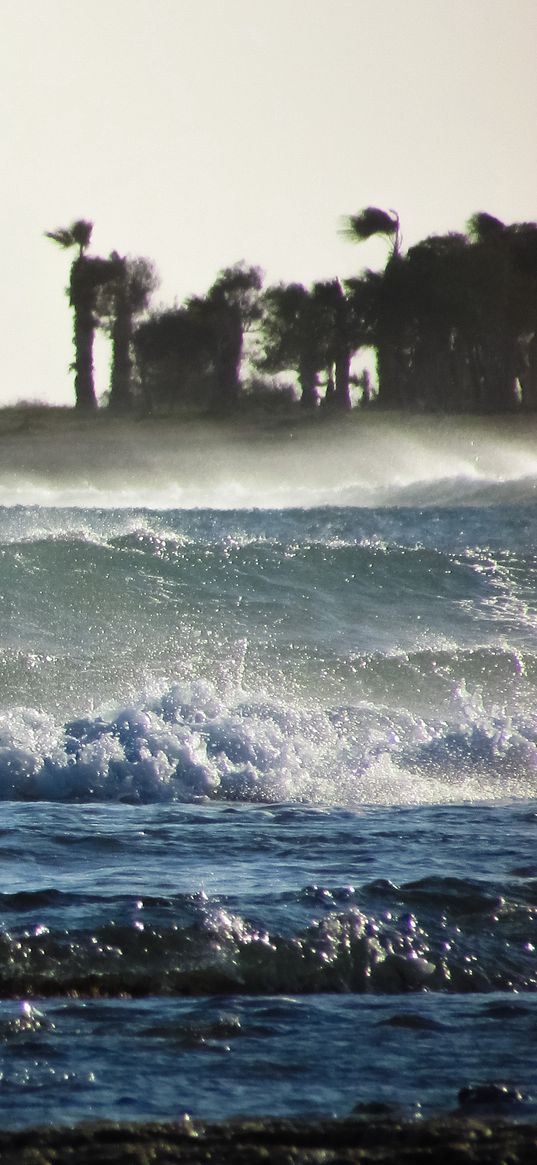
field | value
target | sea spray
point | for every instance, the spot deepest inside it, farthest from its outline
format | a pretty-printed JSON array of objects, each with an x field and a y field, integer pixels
[
  {"x": 189, "y": 745},
  {"x": 369, "y": 460},
  {"x": 268, "y": 787}
]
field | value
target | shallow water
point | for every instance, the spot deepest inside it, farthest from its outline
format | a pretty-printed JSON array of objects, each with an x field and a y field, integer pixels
[{"x": 269, "y": 784}]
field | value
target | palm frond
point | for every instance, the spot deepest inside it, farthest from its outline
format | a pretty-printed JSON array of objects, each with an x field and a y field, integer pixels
[
  {"x": 368, "y": 222},
  {"x": 484, "y": 228},
  {"x": 77, "y": 235},
  {"x": 81, "y": 231},
  {"x": 62, "y": 236}
]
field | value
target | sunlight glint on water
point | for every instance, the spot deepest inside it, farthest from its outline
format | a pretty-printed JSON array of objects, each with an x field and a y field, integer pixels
[{"x": 269, "y": 778}]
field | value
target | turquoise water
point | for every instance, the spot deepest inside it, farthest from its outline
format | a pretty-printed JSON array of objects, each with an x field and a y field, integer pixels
[{"x": 269, "y": 808}]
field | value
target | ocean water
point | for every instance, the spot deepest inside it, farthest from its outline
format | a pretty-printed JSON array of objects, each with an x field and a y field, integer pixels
[{"x": 268, "y": 831}]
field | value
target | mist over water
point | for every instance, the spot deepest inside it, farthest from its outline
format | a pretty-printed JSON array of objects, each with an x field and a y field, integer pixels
[{"x": 365, "y": 461}]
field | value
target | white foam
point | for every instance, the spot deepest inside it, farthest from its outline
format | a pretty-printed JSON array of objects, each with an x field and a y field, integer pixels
[{"x": 188, "y": 744}]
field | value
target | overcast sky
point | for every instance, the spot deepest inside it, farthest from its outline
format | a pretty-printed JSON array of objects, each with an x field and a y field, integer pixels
[{"x": 202, "y": 132}]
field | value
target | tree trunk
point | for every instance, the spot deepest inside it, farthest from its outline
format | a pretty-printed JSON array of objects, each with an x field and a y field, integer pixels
[
  {"x": 500, "y": 374},
  {"x": 528, "y": 374},
  {"x": 227, "y": 359},
  {"x": 391, "y": 377},
  {"x": 342, "y": 396},
  {"x": 120, "y": 381},
  {"x": 82, "y": 297},
  {"x": 307, "y": 375},
  {"x": 329, "y": 396},
  {"x": 84, "y": 331}
]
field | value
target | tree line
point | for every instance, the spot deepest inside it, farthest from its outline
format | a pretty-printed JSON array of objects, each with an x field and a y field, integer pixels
[{"x": 452, "y": 324}]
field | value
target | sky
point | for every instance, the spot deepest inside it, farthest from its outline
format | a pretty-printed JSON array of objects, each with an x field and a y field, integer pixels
[{"x": 200, "y": 133}]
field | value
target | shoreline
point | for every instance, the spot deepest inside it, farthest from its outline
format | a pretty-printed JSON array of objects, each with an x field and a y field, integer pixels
[{"x": 277, "y": 1141}]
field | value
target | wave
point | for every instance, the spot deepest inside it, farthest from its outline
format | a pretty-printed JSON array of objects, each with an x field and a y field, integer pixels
[
  {"x": 437, "y": 934},
  {"x": 329, "y": 557},
  {"x": 231, "y": 494},
  {"x": 432, "y": 527},
  {"x": 328, "y": 605},
  {"x": 189, "y": 745}
]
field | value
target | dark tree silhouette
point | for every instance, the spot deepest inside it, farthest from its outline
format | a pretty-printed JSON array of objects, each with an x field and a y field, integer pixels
[
  {"x": 382, "y": 299},
  {"x": 229, "y": 309},
  {"x": 496, "y": 326},
  {"x": 342, "y": 338},
  {"x": 523, "y": 243},
  {"x": 122, "y": 298},
  {"x": 373, "y": 221},
  {"x": 88, "y": 274},
  {"x": 295, "y": 334},
  {"x": 435, "y": 323},
  {"x": 506, "y": 328},
  {"x": 453, "y": 322},
  {"x": 195, "y": 352},
  {"x": 174, "y": 356}
]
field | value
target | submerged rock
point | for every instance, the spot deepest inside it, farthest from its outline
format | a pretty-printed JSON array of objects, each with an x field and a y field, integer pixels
[{"x": 362, "y": 1141}]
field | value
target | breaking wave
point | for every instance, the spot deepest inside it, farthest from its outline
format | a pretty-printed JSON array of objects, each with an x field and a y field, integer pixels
[
  {"x": 189, "y": 745},
  {"x": 437, "y": 934}
]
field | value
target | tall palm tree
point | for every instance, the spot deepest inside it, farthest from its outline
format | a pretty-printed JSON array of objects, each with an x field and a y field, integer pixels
[
  {"x": 523, "y": 238},
  {"x": 229, "y": 309},
  {"x": 494, "y": 287},
  {"x": 437, "y": 316},
  {"x": 87, "y": 275},
  {"x": 119, "y": 300},
  {"x": 295, "y": 336},
  {"x": 383, "y": 297},
  {"x": 336, "y": 309}
]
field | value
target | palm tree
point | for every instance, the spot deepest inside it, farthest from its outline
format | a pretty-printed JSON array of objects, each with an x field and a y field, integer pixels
[
  {"x": 296, "y": 336},
  {"x": 523, "y": 239},
  {"x": 336, "y": 308},
  {"x": 228, "y": 310},
  {"x": 233, "y": 305},
  {"x": 119, "y": 300},
  {"x": 494, "y": 285},
  {"x": 373, "y": 221},
  {"x": 382, "y": 294},
  {"x": 87, "y": 275},
  {"x": 506, "y": 310},
  {"x": 77, "y": 235},
  {"x": 436, "y": 318}
]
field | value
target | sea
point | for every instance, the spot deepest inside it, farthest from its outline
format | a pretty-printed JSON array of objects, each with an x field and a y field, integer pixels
[{"x": 268, "y": 782}]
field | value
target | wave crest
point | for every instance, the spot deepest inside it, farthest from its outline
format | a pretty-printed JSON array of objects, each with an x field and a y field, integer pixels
[{"x": 188, "y": 744}]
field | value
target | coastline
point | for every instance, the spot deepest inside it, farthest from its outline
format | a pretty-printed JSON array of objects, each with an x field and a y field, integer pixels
[{"x": 364, "y": 1140}]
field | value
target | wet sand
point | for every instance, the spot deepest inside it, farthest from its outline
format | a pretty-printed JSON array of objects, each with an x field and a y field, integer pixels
[{"x": 446, "y": 1141}]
